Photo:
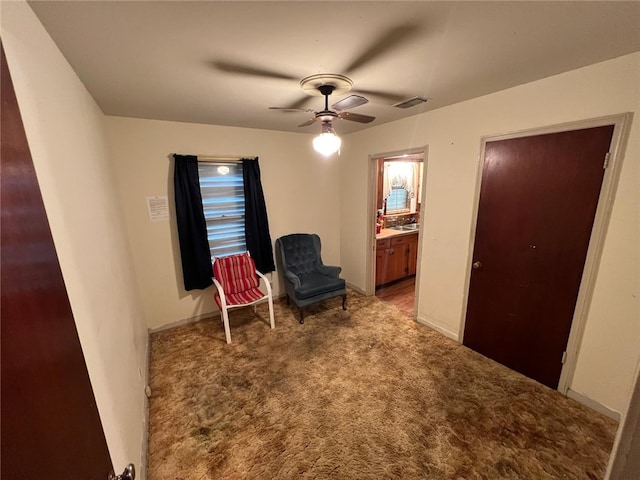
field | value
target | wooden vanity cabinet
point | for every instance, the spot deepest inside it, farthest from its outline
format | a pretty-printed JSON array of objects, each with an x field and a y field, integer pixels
[
  {"x": 412, "y": 254},
  {"x": 384, "y": 257},
  {"x": 396, "y": 258}
]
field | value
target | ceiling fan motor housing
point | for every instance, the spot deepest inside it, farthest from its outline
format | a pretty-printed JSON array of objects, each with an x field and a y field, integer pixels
[
  {"x": 326, "y": 89},
  {"x": 313, "y": 84},
  {"x": 326, "y": 116}
]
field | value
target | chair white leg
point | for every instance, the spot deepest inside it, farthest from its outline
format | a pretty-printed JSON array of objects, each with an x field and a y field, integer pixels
[
  {"x": 225, "y": 319},
  {"x": 267, "y": 285},
  {"x": 273, "y": 324}
]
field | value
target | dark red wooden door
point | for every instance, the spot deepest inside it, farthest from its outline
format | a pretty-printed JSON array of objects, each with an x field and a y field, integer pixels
[
  {"x": 50, "y": 423},
  {"x": 537, "y": 204}
]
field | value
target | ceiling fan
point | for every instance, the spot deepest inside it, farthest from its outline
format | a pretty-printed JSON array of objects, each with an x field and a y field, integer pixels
[
  {"x": 386, "y": 42},
  {"x": 326, "y": 84}
]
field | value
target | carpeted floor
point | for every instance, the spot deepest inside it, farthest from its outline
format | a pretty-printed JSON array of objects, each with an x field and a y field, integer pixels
[{"x": 361, "y": 394}]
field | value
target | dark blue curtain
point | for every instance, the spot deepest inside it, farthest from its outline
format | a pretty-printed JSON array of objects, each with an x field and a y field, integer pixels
[
  {"x": 192, "y": 228},
  {"x": 256, "y": 224}
]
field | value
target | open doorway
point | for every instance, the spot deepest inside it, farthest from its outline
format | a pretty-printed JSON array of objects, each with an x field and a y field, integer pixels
[{"x": 397, "y": 188}]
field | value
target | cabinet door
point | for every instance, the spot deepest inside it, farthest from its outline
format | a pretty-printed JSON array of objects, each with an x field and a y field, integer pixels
[
  {"x": 386, "y": 269},
  {"x": 412, "y": 252},
  {"x": 381, "y": 266},
  {"x": 389, "y": 265},
  {"x": 397, "y": 263}
]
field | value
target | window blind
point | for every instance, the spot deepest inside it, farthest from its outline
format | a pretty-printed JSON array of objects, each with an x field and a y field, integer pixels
[
  {"x": 222, "y": 190},
  {"x": 397, "y": 199}
]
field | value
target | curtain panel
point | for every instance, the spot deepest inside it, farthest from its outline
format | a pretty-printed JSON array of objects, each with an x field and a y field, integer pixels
[
  {"x": 256, "y": 223},
  {"x": 192, "y": 228}
]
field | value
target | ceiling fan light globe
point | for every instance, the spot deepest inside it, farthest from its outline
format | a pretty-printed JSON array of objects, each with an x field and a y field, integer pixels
[{"x": 327, "y": 143}]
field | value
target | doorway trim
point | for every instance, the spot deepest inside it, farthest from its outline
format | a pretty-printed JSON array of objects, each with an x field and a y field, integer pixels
[
  {"x": 622, "y": 127},
  {"x": 370, "y": 285}
]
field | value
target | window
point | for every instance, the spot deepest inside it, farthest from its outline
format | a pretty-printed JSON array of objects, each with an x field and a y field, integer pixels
[
  {"x": 398, "y": 199},
  {"x": 400, "y": 182},
  {"x": 222, "y": 189}
]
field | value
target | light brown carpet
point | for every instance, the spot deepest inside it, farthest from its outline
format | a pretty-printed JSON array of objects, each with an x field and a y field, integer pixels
[{"x": 361, "y": 394}]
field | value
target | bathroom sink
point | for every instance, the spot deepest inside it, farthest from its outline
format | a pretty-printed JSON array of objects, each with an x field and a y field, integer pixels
[{"x": 406, "y": 228}]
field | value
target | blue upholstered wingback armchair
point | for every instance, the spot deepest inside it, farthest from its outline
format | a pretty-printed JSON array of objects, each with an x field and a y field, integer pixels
[{"x": 306, "y": 279}]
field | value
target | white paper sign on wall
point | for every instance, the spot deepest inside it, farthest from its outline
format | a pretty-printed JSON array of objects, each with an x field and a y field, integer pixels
[{"x": 158, "y": 208}]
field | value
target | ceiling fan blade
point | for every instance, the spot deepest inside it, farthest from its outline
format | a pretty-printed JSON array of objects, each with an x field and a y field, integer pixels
[
  {"x": 387, "y": 41},
  {"x": 351, "y": 101},
  {"x": 301, "y": 102},
  {"x": 231, "y": 67},
  {"x": 356, "y": 117},
  {"x": 387, "y": 96},
  {"x": 308, "y": 122},
  {"x": 287, "y": 109}
]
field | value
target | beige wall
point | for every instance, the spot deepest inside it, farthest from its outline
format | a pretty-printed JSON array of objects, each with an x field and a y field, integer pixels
[
  {"x": 65, "y": 130},
  {"x": 301, "y": 192},
  {"x": 611, "y": 346}
]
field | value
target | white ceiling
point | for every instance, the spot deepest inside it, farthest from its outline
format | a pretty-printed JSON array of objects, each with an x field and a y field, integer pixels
[{"x": 225, "y": 63}]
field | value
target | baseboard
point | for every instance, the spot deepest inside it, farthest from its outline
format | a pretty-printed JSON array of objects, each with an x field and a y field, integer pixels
[
  {"x": 437, "y": 328},
  {"x": 357, "y": 289},
  {"x": 594, "y": 405},
  {"x": 584, "y": 400},
  {"x": 196, "y": 318},
  {"x": 184, "y": 321}
]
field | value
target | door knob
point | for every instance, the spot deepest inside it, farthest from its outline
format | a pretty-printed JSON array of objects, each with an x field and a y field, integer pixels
[{"x": 476, "y": 265}]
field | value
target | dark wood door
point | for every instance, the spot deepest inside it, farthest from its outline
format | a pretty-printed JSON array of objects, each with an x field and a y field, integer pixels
[
  {"x": 537, "y": 204},
  {"x": 50, "y": 423}
]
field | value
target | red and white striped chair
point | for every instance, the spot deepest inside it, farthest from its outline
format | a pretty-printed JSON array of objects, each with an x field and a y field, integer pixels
[{"x": 237, "y": 283}]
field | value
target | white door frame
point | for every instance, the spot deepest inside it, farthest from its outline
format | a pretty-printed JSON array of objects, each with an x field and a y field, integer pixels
[
  {"x": 370, "y": 288},
  {"x": 622, "y": 125}
]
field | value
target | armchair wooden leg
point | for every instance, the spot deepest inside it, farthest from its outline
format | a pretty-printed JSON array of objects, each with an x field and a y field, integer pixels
[
  {"x": 344, "y": 301},
  {"x": 301, "y": 315},
  {"x": 288, "y": 300}
]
